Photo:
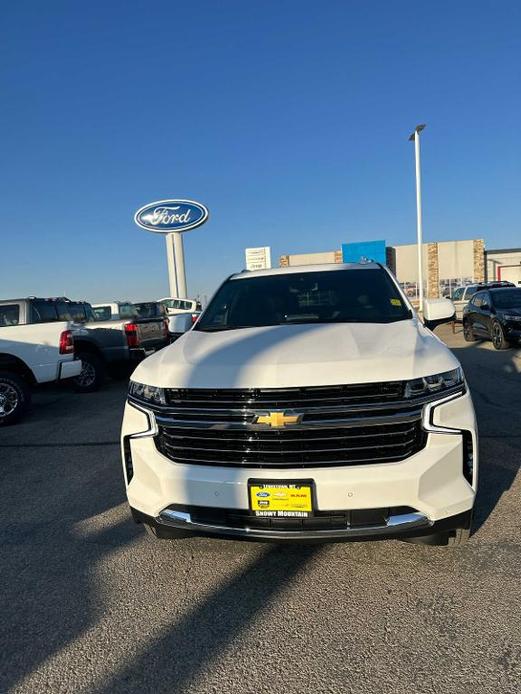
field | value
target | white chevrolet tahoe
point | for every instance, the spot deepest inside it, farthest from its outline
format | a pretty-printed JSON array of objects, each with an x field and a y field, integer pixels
[{"x": 306, "y": 403}]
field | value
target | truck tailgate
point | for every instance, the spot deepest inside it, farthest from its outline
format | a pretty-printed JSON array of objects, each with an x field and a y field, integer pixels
[{"x": 151, "y": 333}]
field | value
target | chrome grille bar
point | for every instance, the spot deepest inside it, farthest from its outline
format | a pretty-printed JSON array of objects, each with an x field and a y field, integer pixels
[{"x": 193, "y": 429}]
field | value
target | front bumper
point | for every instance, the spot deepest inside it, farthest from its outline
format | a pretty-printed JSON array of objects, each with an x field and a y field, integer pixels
[
  {"x": 431, "y": 483},
  {"x": 513, "y": 331},
  {"x": 398, "y": 526}
]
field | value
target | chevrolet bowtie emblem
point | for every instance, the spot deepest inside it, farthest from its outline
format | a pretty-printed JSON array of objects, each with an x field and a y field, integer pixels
[{"x": 277, "y": 419}]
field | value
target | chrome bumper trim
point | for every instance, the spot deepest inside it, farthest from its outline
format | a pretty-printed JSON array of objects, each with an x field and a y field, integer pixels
[{"x": 394, "y": 525}]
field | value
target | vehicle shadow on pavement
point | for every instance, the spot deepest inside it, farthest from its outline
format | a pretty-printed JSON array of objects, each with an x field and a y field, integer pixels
[
  {"x": 190, "y": 645},
  {"x": 47, "y": 595},
  {"x": 494, "y": 379}
]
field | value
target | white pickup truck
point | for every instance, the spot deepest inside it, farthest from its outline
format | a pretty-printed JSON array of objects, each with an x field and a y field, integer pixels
[
  {"x": 32, "y": 350},
  {"x": 304, "y": 404}
]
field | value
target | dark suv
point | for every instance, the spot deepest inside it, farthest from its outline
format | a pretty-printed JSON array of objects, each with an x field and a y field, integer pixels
[{"x": 494, "y": 314}]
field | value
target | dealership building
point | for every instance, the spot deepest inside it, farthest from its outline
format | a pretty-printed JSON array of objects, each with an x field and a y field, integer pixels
[{"x": 446, "y": 264}]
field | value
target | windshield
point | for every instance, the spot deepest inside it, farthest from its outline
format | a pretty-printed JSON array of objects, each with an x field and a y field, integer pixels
[
  {"x": 507, "y": 298},
  {"x": 336, "y": 296}
]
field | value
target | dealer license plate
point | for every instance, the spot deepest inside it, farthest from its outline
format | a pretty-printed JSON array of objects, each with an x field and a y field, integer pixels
[{"x": 281, "y": 499}]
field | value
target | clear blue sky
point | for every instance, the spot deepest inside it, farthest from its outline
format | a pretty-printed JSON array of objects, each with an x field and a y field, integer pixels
[{"x": 288, "y": 119}]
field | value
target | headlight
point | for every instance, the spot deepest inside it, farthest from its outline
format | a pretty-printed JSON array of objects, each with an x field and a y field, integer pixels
[
  {"x": 433, "y": 384},
  {"x": 152, "y": 394},
  {"x": 509, "y": 317}
]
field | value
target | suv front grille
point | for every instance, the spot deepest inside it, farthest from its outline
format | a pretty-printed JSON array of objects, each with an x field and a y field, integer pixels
[
  {"x": 338, "y": 425},
  {"x": 290, "y": 398}
]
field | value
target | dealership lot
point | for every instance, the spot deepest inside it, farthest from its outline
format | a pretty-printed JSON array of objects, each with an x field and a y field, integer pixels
[{"x": 91, "y": 604}]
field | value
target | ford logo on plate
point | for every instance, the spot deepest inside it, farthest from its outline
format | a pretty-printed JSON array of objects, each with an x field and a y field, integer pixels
[
  {"x": 165, "y": 216},
  {"x": 263, "y": 494}
]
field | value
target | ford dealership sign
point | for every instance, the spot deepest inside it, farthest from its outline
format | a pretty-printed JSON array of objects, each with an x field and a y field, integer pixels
[{"x": 165, "y": 216}]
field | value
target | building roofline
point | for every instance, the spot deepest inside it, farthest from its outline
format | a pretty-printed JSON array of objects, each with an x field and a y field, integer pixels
[
  {"x": 426, "y": 243},
  {"x": 503, "y": 250}
]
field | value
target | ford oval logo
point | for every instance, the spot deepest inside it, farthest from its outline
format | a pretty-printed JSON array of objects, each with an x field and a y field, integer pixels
[
  {"x": 164, "y": 216},
  {"x": 263, "y": 494}
]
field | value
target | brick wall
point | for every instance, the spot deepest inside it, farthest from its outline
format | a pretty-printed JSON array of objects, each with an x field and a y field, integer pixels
[
  {"x": 433, "y": 272},
  {"x": 479, "y": 260}
]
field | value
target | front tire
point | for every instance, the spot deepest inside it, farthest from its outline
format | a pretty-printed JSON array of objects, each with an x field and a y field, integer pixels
[
  {"x": 157, "y": 533},
  {"x": 448, "y": 538},
  {"x": 460, "y": 538},
  {"x": 468, "y": 333},
  {"x": 92, "y": 373},
  {"x": 498, "y": 336},
  {"x": 15, "y": 397}
]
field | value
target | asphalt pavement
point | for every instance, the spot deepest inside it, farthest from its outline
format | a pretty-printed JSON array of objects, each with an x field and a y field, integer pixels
[{"x": 90, "y": 603}]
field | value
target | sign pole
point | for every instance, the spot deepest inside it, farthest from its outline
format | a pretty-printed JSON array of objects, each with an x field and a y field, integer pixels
[
  {"x": 179, "y": 255},
  {"x": 173, "y": 217},
  {"x": 170, "y": 256}
]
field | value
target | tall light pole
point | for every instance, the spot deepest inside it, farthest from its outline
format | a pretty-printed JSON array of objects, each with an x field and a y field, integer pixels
[{"x": 415, "y": 137}]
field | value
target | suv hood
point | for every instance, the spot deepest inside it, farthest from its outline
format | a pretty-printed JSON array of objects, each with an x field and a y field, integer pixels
[{"x": 298, "y": 355}]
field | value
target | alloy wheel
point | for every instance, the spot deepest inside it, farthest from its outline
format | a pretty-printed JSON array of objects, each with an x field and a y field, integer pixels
[
  {"x": 497, "y": 335},
  {"x": 8, "y": 399},
  {"x": 87, "y": 375}
]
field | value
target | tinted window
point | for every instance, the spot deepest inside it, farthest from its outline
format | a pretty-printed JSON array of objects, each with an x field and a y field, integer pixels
[
  {"x": 72, "y": 310},
  {"x": 63, "y": 310},
  {"x": 77, "y": 312},
  {"x": 9, "y": 315},
  {"x": 178, "y": 304},
  {"x": 102, "y": 313},
  {"x": 458, "y": 294},
  {"x": 127, "y": 311},
  {"x": 147, "y": 309},
  {"x": 336, "y": 296},
  {"x": 470, "y": 291},
  {"x": 507, "y": 298},
  {"x": 478, "y": 299},
  {"x": 44, "y": 311}
]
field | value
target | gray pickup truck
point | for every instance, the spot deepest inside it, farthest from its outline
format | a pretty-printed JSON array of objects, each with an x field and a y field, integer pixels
[{"x": 106, "y": 346}]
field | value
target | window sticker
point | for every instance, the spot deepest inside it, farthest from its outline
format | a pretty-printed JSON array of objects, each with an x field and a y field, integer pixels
[{"x": 396, "y": 302}]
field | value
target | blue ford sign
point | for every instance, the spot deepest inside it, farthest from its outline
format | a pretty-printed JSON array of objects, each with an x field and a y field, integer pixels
[{"x": 165, "y": 216}]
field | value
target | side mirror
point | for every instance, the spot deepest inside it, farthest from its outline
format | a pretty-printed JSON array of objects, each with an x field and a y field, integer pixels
[
  {"x": 180, "y": 323},
  {"x": 437, "y": 311}
]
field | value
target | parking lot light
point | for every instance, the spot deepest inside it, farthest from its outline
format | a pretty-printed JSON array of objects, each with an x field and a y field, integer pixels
[{"x": 415, "y": 137}]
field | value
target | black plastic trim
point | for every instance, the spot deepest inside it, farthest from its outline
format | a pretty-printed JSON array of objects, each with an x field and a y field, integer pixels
[{"x": 452, "y": 523}]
